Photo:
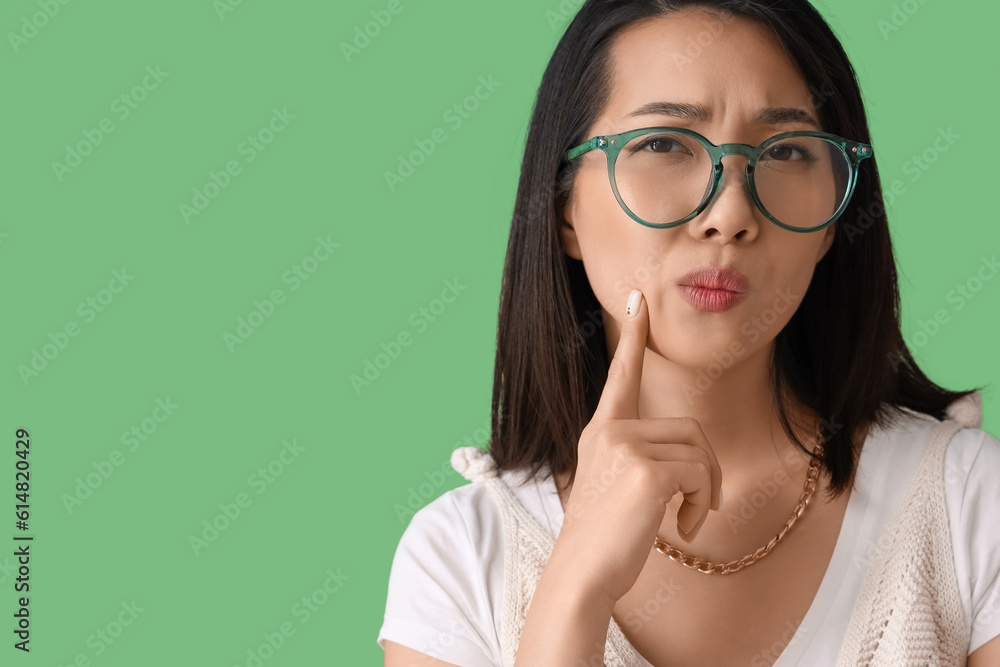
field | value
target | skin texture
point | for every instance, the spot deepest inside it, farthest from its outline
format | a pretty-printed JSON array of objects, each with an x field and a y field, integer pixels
[
  {"x": 742, "y": 71},
  {"x": 734, "y": 77}
]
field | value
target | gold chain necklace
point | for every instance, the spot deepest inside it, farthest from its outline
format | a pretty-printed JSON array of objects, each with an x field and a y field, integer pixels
[{"x": 708, "y": 567}]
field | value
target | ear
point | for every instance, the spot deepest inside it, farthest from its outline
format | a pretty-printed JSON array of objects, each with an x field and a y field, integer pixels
[
  {"x": 828, "y": 235},
  {"x": 570, "y": 243}
]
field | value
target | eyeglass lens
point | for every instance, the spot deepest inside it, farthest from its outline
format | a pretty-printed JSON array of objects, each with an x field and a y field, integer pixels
[{"x": 664, "y": 177}]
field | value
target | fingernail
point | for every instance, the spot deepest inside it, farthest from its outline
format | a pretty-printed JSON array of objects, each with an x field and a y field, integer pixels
[{"x": 632, "y": 306}]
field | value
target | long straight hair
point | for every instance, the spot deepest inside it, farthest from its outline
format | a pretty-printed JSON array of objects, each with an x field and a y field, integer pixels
[{"x": 842, "y": 353}]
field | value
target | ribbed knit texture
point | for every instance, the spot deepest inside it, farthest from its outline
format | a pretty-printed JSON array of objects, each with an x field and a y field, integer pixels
[
  {"x": 527, "y": 548},
  {"x": 908, "y": 613}
]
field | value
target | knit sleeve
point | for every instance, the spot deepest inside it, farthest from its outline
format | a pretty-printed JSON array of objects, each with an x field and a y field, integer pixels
[
  {"x": 440, "y": 592},
  {"x": 972, "y": 471}
]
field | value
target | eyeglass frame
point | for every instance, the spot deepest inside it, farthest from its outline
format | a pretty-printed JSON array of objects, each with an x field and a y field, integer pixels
[{"x": 612, "y": 145}]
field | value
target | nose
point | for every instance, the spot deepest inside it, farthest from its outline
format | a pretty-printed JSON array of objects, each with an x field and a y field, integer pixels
[{"x": 731, "y": 215}]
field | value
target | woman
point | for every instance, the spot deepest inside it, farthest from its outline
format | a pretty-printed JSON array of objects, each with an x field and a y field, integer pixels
[{"x": 723, "y": 317}]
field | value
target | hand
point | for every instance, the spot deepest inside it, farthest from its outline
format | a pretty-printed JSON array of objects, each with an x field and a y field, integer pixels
[{"x": 628, "y": 469}]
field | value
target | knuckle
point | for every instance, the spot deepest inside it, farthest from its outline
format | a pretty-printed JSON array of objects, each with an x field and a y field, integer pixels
[
  {"x": 702, "y": 468},
  {"x": 620, "y": 462},
  {"x": 690, "y": 423},
  {"x": 628, "y": 449},
  {"x": 596, "y": 436},
  {"x": 599, "y": 433},
  {"x": 703, "y": 458},
  {"x": 643, "y": 476}
]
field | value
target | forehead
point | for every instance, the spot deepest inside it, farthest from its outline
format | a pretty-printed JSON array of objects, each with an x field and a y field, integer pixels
[{"x": 730, "y": 64}]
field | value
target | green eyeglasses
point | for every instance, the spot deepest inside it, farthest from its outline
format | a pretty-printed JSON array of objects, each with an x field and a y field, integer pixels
[{"x": 664, "y": 176}]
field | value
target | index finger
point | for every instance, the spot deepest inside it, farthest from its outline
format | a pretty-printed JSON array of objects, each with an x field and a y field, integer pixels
[{"x": 620, "y": 397}]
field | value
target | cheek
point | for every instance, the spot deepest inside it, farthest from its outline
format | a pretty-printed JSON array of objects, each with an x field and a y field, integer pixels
[
  {"x": 607, "y": 261},
  {"x": 780, "y": 296},
  {"x": 616, "y": 251}
]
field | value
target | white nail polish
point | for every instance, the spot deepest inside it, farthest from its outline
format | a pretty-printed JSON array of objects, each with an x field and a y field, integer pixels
[{"x": 632, "y": 307}]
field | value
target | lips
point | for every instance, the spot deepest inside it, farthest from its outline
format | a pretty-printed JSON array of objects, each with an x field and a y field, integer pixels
[
  {"x": 714, "y": 289},
  {"x": 716, "y": 278}
]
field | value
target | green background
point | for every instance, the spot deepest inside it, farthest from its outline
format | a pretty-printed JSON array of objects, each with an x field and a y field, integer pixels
[{"x": 363, "y": 453}]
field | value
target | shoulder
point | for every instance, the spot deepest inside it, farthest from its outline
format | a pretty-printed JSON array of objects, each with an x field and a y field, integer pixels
[
  {"x": 446, "y": 581},
  {"x": 971, "y": 458},
  {"x": 460, "y": 523},
  {"x": 971, "y": 468},
  {"x": 907, "y": 431},
  {"x": 902, "y": 433},
  {"x": 892, "y": 451},
  {"x": 446, "y": 584},
  {"x": 471, "y": 512},
  {"x": 972, "y": 496}
]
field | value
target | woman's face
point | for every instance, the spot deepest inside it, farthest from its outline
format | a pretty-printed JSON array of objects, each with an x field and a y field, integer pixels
[{"x": 734, "y": 69}]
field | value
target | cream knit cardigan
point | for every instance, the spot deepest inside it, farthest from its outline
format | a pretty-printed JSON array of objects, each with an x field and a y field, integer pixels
[{"x": 908, "y": 613}]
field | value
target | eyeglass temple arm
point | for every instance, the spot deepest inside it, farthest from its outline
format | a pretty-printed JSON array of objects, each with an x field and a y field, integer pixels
[{"x": 585, "y": 147}]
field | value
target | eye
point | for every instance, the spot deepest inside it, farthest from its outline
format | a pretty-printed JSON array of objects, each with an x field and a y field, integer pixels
[
  {"x": 788, "y": 151},
  {"x": 660, "y": 144}
]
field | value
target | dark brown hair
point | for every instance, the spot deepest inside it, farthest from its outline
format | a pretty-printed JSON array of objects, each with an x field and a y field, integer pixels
[{"x": 842, "y": 354}]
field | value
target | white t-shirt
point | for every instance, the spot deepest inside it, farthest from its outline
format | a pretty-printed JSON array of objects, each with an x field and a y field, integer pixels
[{"x": 445, "y": 590}]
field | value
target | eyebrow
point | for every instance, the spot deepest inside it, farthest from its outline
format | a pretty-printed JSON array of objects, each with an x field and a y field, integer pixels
[{"x": 697, "y": 112}]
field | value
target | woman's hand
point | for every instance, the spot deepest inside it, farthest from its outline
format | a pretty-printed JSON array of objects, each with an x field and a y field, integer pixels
[{"x": 628, "y": 469}]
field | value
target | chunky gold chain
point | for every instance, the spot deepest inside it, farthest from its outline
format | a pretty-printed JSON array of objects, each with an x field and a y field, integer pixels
[{"x": 708, "y": 567}]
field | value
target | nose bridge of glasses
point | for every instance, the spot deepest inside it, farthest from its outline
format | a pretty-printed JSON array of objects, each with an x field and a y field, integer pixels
[
  {"x": 746, "y": 150},
  {"x": 721, "y": 179},
  {"x": 725, "y": 150}
]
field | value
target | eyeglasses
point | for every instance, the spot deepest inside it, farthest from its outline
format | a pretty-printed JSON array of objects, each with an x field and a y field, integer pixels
[{"x": 664, "y": 176}]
